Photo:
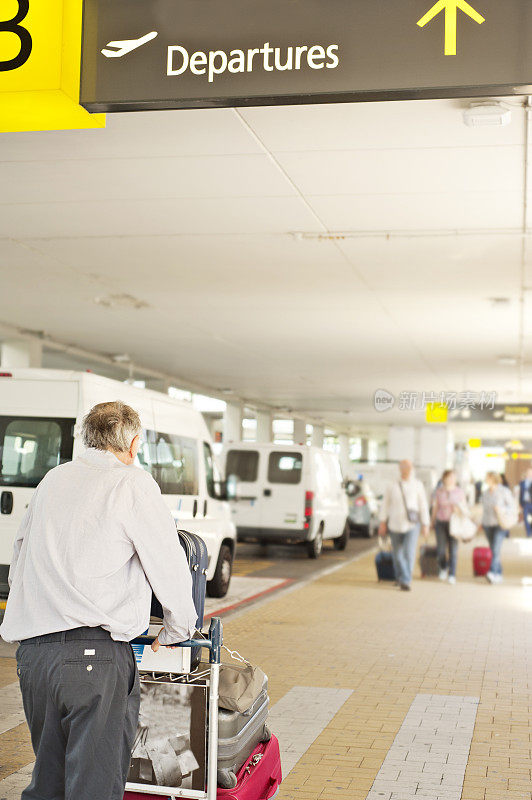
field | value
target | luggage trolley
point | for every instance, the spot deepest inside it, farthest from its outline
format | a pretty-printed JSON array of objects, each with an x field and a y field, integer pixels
[{"x": 214, "y": 645}]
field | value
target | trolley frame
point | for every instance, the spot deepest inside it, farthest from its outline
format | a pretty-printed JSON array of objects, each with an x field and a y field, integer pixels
[{"x": 214, "y": 645}]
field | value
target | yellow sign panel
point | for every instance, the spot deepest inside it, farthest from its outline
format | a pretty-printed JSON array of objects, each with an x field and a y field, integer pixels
[
  {"x": 474, "y": 443},
  {"x": 436, "y": 413},
  {"x": 40, "y": 61}
]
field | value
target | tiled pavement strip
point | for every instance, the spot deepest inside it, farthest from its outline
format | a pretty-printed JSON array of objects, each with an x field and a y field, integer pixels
[{"x": 346, "y": 631}]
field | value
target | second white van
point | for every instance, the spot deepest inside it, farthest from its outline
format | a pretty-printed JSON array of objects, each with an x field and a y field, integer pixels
[{"x": 288, "y": 493}]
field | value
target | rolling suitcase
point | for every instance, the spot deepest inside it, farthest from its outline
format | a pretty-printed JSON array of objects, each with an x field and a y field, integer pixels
[
  {"x": 238, "y": 736},
  {"x": 481, "y": 560},
  {"x": 259, "y": 777},
  {"x": 197, "y": 557},
  {"x": 384, "y": 566},
  {"x": 428, "y": 561}
]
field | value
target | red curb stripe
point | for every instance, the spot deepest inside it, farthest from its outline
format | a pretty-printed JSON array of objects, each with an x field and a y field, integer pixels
[{"x": 252, "y": 597}]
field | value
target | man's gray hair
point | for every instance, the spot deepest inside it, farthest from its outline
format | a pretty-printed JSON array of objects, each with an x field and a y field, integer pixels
[{"x": 111, "y": 426}]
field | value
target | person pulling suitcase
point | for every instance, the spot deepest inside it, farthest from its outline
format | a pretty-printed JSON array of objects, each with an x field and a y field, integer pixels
[
  {"x": 96, "y": 537},
  {"x": 404, "y": 514}
]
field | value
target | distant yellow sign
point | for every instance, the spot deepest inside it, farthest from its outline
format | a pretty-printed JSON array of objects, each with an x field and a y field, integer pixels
[
  {"x": 475, "y": 443},
  {"x": 40, "y": 60},
  {"x": 436, "y": 413}
]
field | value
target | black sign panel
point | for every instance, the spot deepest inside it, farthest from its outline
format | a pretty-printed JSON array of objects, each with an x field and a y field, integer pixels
[{"x": 150, "y": 54}]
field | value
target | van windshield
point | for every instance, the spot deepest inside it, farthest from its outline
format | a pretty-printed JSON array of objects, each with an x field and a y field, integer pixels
[{"x": 31, "y": 446}]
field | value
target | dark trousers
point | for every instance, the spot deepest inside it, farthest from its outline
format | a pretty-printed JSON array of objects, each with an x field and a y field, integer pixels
[
  {"x": 527, "y": 517},
  {"x": 81, "y": 698},
  {"x": 446, "y": 543}
]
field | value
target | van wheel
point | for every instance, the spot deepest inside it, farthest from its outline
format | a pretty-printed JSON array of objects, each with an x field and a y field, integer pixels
[
  {"x": 315, "y": 547},
  {"x": 219, "y": 586},
  {"x": 341, "y": 542}
]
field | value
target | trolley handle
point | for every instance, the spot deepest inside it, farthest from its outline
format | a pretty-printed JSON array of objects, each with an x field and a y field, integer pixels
[{"x": 213, "y": 643}]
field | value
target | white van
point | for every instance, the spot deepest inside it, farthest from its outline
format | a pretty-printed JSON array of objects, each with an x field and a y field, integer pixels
[
  {"x": 40, "y": 427},
  {"x": 288, "y": 493}
]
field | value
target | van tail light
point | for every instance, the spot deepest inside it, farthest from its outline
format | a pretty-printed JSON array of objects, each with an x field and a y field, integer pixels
[
  {"x": 309, "y": 501},
  {"x": 6, "y": 374},
  {"x": 360, "y": 501}
]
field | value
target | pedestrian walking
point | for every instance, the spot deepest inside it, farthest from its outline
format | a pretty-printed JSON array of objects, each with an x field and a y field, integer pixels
[
  {"x": 448, "y": 497},
  {"x": 404, "y": 514},
  {"x": 498, "y": 516},
  {"x": 96, "y": 538},
  {"x": 525, "y": 500}
]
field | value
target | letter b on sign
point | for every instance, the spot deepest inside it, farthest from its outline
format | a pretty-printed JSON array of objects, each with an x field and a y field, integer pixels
[{"x": 13, "y": 26}]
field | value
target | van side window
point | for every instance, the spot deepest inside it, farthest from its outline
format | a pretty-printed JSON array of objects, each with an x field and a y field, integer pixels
[
  {"x": 285, "y": 467},
  {"x": 177, "y": 464},
  {"x": 244, "y": 464},
  {"x": 31, "y": 446},
  {"x": 211, "y": 473}
]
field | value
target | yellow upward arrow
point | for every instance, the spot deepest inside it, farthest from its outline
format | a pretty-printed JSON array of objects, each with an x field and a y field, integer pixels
[{"x": 451, "y": 13}]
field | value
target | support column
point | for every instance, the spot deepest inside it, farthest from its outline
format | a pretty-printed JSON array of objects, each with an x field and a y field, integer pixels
[
  {"x": 233, "y": 423},
  {"x": 20, "y": 353},
  {"x": 364, "y": 448},
  {"x": 317, "y": 435},
  {"x": 401, "y": 443},
  {"x": 157, "y": 385},
  {"x": 300, "y": 431},
  {"x": 264, "y": 426},
  {"x": 343, "y": 441},
  {"x": 432, "y": 450}
]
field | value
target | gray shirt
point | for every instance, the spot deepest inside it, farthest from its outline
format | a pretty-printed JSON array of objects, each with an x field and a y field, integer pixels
[
  {"x": 501, "y": 497},
  {"x": 97, "y": 536}
]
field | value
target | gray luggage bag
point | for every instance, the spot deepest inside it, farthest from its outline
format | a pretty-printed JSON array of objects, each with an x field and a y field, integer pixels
[{"x": 238, "y": 735}]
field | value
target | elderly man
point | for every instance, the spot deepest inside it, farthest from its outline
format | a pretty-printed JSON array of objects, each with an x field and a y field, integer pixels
[
  {"x": 96, "y": 538},
  {"x": 404, "y": 513}
]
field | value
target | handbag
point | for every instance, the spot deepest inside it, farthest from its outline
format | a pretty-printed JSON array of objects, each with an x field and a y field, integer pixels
[
  {"x": 462, "y": 526},
  {"x": 506, "y": 517},
  {"x": 240, "y": 685},
  {"x": 412, "y": 515}
]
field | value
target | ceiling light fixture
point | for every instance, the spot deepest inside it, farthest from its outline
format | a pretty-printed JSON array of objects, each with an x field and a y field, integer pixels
[
  {"x": 488, "y": 114},
  {"x": 507, "y": 361}
]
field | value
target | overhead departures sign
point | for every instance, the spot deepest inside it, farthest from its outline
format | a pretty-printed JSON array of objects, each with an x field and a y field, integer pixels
[
  {"x": 40, "y": 55},
  {"x": 149, "y": 54}
]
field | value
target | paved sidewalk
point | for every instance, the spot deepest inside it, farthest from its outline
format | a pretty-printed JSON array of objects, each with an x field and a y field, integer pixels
[{"x": 439, "y": 678}]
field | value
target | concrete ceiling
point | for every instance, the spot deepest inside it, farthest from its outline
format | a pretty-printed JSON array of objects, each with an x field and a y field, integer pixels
[{"x": 198, "y": 242}]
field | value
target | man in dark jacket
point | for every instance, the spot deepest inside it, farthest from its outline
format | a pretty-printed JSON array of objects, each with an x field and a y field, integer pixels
[{"x": 525, "y": 500}]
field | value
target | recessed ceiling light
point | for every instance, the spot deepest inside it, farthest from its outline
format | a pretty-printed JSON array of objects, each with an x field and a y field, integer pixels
[
  {"x": 498, "y": 302},
  {"x": 122, "y": 358},
  {"x": 507, "y": 361}
]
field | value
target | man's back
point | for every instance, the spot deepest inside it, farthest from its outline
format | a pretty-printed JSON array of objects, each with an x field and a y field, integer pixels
[{"x": 77, "y": 564}]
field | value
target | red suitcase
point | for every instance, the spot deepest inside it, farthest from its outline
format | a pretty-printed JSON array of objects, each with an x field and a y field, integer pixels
[
  {"x": 481, "y": 560},
  {"x": 260, "y": 777}
]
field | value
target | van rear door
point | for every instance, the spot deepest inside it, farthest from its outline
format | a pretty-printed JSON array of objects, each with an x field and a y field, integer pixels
[
  {"x": 284, "y": 492},
  {"x": 245, "y": 464},
  {"x": 29, "y": 448}
]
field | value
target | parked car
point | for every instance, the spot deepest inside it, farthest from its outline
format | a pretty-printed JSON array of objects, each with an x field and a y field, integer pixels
[
  {"x": 288, "y": 493},
  {"x": 363, "y": 508},
  {"x": 40, "y": 415}
]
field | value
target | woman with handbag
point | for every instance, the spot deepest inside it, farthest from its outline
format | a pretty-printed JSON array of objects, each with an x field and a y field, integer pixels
[
  {"x": 447, "y": 499},
  {"x": 499, "y": 514}
]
